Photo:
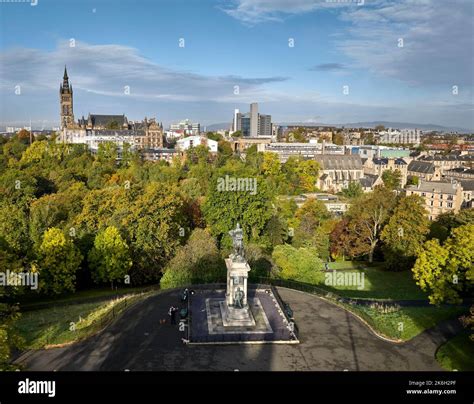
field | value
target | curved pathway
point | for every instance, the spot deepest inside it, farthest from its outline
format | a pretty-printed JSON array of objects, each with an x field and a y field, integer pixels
[{"x": 331, "y": 339}]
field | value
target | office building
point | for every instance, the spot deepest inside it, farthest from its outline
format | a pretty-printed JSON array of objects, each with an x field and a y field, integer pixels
[{"x": 252, "y": 124}]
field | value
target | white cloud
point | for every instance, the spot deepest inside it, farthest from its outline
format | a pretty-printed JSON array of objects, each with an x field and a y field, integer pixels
[
  {"x": 438, "y": 36},
  {"x": 108, "y": 69},
  {"x": 438, "y": 41},
  {"x": 256, "y": 11}
]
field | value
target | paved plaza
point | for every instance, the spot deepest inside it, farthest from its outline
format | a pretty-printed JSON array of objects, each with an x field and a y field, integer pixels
[
  {"x": 207, "y": 323},
  {"x": 330, "y": 339}
]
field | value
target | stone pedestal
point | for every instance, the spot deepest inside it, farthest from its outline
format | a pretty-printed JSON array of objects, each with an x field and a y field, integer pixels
[
  {"x": 232, "y": 314},
  {"x": 232, "y": 317}
]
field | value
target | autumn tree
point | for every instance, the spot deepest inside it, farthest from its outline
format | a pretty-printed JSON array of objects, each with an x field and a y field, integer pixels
[
  {"x": 445, "y": 271},
  {"x": 405, "y": 233},
  {"x": 367, "y": 217},
  {"x": 300, "y": 175},
  {"x": 343, "y": 242}
]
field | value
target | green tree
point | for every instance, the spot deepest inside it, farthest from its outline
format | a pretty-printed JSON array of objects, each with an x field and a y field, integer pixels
[
  {"x": 196, "y": 262},
  {"x": 353, "y": 190},
  {"x": 301, "y": 175},
  {"x": 109, "y": 259},
  {"x": 392, "y": 179},
  {"x": 14, "y": 228},
  {"x": 444, "y": 224},
  {"x": 405, "y": 233},
  {"x": 224, "y": 152},
  {"x": 9, "y": 337},
  {"x": 59, "y": 261},
  {"x": 276, "y": 231},
  {"x": 157, "y": 226},
  {"x": 224, "y": 208},
  {"x": 300, "y": 264},
  {"x": 271, "y": 166},
  {"x": 18, "y": 187},
  {"x": 338, "y": 138},
  {"x": 446, "y": 270},
  {"x": 107, "y": 152},
  {"x": 237, "y": 133},
  {"x": 413, "y": 180},
  {"x": 214, "y": 136}
]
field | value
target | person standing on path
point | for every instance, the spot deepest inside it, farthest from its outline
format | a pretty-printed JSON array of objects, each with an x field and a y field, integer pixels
[{"x": 172, "y": 314}]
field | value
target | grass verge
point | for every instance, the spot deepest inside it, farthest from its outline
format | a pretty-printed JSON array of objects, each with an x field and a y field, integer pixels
[
  {"x": 404, "y": 323},
  {"x": 457, "y": 353},
  {"x": 70, "y": 323}
]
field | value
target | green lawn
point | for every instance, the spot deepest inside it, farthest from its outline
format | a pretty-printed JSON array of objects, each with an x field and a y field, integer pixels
[
  {"x": 457, "y": 353},
  {"x": 378, "y": 283},
  {"x": 406, "y": 322},
  {"x": 54, "y": 325},
  {"x": 31, "y": 300}
]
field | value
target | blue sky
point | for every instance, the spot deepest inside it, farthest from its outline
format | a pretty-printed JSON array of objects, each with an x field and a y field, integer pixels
[{"x": 110, "y": 45}]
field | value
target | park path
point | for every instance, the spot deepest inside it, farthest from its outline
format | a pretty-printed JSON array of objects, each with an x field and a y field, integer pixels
[{"x": 331, "y": 339}]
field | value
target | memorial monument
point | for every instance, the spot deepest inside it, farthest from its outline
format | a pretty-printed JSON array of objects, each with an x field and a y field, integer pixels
[
  {"x": 235, "y": 309},
  {"x": 240, "y": 313}
]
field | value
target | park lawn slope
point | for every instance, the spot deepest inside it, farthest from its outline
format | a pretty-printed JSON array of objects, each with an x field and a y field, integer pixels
[
  {"x": 33, "y": 302},
  {"x": 70, "y": 323},
  {"x": 404, "y": 323},
  {"x": 379, "y": 284},
  {"x": 457, "y": 353}
]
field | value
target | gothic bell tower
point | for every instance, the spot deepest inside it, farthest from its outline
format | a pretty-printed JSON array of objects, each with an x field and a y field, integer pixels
[{"x": 65, "y": 99}]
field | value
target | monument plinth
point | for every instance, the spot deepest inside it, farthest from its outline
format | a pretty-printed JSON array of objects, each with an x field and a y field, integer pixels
[{"x": 235, "y": 308}]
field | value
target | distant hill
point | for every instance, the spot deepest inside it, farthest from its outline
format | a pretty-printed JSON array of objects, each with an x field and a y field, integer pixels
[{"x": 387, "y": 124}]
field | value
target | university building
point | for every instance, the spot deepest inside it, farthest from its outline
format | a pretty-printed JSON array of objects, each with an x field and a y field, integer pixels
[{"x": 96, "y": 129}]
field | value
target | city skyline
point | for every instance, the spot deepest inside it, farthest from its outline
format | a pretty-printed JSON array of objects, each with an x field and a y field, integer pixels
[{"x": 294, "y": 58}]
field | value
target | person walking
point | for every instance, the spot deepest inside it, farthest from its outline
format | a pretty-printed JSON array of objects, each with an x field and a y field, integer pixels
[{"x": 173, "y": 311}]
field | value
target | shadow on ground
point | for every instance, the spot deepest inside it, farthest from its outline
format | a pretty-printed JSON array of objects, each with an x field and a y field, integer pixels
[{"x": 331, "y": 339}]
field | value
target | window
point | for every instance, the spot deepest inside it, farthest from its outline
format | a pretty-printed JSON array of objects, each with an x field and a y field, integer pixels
[
  {"x": 450, "y": 205},
  {"x": 431, "y": 203}
]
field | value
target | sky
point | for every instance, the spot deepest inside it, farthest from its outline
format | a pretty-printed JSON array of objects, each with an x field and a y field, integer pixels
[{"x": 311, "y": 61}]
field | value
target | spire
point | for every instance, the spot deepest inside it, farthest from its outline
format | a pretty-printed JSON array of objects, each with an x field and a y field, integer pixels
[{"x": 65, "y": 79}]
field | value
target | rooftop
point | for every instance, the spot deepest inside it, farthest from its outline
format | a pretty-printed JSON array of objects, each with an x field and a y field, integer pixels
[
  {"x": 424, "y": 167},
  {"x": 339, "y": 162},
  {"x": 435, "y": 187}
]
